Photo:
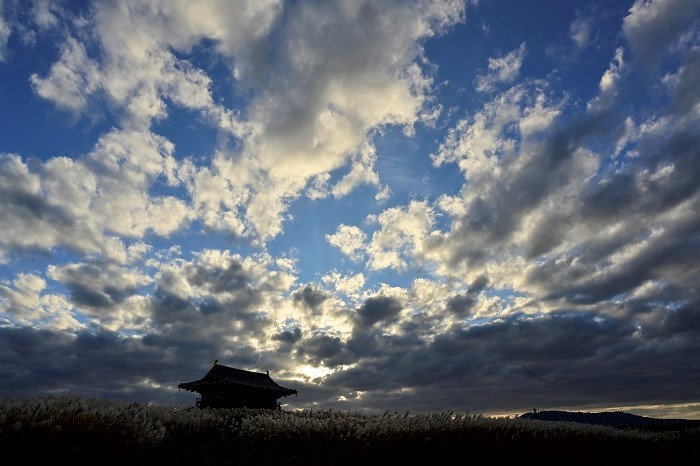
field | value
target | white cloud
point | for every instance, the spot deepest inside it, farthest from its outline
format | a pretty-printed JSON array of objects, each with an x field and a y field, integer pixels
[
  {"x": 400, "y": 236},
  {"x": 138, "y": 250},
  {"x": 71, "y": 79},
  {"x": 494, "y": 231},
  {"x": 612, "y": 74},
  {"x": 137, "y": 69},
  {"x": 608, "y": 83},
  {"x": 383, "y": 195},
  {"x": 45, "y": 13},
  {"x": 5, "y": 31},
  {"x": 128, "y": 163},
  {"x": 28, "y": 304},
  {"x": 361, "y": 171},
  {"x": 354, "y": 67},
  {"x": 350, "y": 240},
  {"x": 84, "y": 203},
  {"x": 350, "y": 284},
  {"x": 106, "y": 293},
  {"x": 580, "y": 32},
  {"x": 318, "y": 187},
  {"x": 23, "y": 297},
  {"x": 501, "y": 70},
  {"x": 482, "y": 144}
]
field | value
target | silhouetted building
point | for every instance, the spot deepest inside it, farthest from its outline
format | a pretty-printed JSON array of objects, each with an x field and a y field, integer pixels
[{"x": 227, "y": 387}]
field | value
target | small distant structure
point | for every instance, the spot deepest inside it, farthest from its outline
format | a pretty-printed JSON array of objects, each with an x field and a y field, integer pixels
[{"x": 228, "y": 387}]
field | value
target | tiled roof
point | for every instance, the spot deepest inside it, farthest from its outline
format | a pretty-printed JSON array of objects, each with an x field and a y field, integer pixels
[{"x": 224, "y": 374}]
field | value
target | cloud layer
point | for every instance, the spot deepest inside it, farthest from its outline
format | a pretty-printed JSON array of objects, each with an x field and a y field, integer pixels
[{"x": 554, "y": 262}]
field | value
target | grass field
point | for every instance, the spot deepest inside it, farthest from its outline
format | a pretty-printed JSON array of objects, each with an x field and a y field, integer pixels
[{"x": 79, "y": 430}]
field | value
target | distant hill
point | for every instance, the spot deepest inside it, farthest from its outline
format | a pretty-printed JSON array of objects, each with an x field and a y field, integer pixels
[{"x": 616, "y": 419}]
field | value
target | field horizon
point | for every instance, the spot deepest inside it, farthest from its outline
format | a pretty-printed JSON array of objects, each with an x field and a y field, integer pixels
[{"x": 77, "y": 429}]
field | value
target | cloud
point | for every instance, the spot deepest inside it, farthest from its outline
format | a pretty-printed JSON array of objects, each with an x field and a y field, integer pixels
[
  {"x": 222, "y": 295},
  {"x": 46, "y": 14},
  {"x": 399, "y": 237},
  {"x": 71, "y": 79},
  {"x": 88, "y": 204},
  {"x": 463, "y": 304},
  {"x": 361, "y": 171},
  {"x": 349, "y": 284},
  {"x": 106, "y": 294},
  {"x": 341, "y": 93},
  {"x": 5, "y": 31},
  {"x": 686, "y": 84},
  {"x": 608, "y": 84},
  {"x": 324, "y": 349},
  {"x": 26, "y": 301},
  {"x": 552, "y": 213},
  {"x": 291, "y": 134},
  {"x": 377, "y": 309},
  {"x": 310, "y": 297},
  {"x": 350, "y": 240},
  {"x": 580, "y": 32},
  {"x": 652, "y": 25},
  {"x": 572, "y": 350},
  {"x": 556, "y": 267},
  {"x": 501, "y": 70},
  {"x": 137, "y": 69},
  {"x": 23, "y": 297},
  {"x": 98, "y": 285}
]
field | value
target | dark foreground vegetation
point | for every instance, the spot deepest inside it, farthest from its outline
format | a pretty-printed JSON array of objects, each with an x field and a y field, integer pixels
[{"x": 78, "y": 430}]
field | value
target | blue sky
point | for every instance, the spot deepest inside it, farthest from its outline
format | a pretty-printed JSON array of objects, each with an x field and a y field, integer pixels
[{"x": 393, "y": 205}]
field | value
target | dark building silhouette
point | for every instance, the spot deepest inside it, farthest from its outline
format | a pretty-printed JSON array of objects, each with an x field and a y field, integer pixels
[{"x": 227, "y": 387}]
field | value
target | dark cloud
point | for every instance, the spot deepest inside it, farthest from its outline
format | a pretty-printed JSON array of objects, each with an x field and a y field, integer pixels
[
  {"x": 669, "y": 256},
  {"x": 222, "y": 293},
  {"x": 211, "y": 305},
  {"x": 34, "y": 208},
  {"x": 521, "y": 361},
  {"x": 97, "y": 285},
  {"x": 321, "y": 348},
  {"x": 221, "y": 314},
  {"x": 677, "y": 319},
  {"x": 377, "y": 309},
  {"x": 216, "y": 320},
  {"x": 289, "y": 336},
  {"x": 652, "y": 26},
  {"x": 479, "y": 284},
  {"x": 686, "y": 93},
  {"x": 514, "y": 363},
  {"x": 100, "y": 364},
  {"x": 522, "y": 185},
  {"x": 462, "y": 304},
  {"x": 24, "y": 211},
  {"x": 217, "y": 279},
  {"x": 310, "y": 296}
]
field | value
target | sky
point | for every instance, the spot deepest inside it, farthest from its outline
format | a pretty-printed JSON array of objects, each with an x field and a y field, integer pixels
[{"x": 398, "y": 205}]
